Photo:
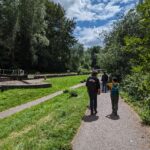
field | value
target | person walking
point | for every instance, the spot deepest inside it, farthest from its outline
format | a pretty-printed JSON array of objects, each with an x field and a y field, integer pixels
[
  {"x": 93, "y": 88},
  {"x": 114, "y": 96},
  {"x": 104, "y": 82}
]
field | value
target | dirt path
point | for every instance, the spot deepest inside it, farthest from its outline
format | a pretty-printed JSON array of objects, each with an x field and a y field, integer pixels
[
  {"x": 19, "y": 108},
  {"x": 103, "y": 133}
]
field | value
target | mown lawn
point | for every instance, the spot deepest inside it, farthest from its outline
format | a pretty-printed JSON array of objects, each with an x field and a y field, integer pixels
[
  {"x": 16, "y": 97},
  {"x": 48, "y": 126}
]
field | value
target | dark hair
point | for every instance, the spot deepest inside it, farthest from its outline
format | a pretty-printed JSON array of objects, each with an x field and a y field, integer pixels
[
  {"x": 115, "y": 79},
  {"x": 94, "y": 73}
]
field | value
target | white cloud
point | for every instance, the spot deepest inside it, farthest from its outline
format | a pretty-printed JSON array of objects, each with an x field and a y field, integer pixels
[
  {"x": 94, "y": 10},
  {"x": 84, "y": 10},
  {"x": 92, "y": 36}
]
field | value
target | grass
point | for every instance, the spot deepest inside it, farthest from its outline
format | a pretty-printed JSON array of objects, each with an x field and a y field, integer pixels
[
  {"x": 16, "y": 97},
  {"x": 140, "y": 107},
  {"x": 50, "y": 125}
]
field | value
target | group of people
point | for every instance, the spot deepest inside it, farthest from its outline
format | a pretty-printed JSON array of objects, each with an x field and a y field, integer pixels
[{"x": 94, "y": 89}]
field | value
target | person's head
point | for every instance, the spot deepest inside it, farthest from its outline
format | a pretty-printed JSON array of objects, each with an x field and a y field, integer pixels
[
  {"x": 114, "y": 80},
  {"x": 94, "y": 73},
  {"x": 104, "y": 73}
]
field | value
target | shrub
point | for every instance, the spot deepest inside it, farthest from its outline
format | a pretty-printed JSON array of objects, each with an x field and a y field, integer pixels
[
  {"x": 137, "y": 86},
  {"x": 83, "y": 71}
]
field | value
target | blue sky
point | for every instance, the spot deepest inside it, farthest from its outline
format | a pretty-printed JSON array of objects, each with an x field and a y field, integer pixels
[{"x": 94, "y": 16}]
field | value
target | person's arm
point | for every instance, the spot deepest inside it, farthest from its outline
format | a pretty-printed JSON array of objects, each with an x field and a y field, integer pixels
[
  {"x": 107, "y": 78},
  {"x": 87, "y": 82},
  {"x": 99, "y": 91},
  {"x": 102, "y": 77},
  {"x": 98, "y": 87}
]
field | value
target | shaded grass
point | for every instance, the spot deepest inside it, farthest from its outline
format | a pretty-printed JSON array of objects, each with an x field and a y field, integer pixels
[
  {"x": 140, "y": 107},
  {"x": 16, "y": 97},
  {"x": 50, "y": 125}
]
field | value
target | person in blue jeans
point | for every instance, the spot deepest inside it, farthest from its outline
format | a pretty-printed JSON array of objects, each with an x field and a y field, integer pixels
[
  {"x": 93, "y": 87},
  {"x": 104, "y": 82}
]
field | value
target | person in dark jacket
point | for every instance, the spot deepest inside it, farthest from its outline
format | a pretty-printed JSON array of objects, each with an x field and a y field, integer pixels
[
  {"x": 104, "y": 82},
  {"x": 93, "y": 87}
]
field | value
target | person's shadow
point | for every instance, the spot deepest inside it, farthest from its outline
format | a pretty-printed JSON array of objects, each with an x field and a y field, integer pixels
[
  {"x": 90, "y": 118},
  {"x": 112, "y": 117}
]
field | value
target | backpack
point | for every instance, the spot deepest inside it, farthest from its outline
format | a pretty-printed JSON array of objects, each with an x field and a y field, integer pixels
[
  {"x": 91, "y": 84},
  {"x": 115, "y": 90}
]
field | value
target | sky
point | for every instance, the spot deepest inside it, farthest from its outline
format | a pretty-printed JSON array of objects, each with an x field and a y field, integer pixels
[{"x": 93, "y": 17}]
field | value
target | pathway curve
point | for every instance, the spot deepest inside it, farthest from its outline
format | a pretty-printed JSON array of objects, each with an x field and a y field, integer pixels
[
  {"x": 19, "y": 108},
  {"x": 103, "y": 133}
]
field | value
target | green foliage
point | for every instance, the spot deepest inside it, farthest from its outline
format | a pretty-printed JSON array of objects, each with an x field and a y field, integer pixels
[
  {"x": 142, "y": 107},
  {"x": 115, "y": 56},
  {"x": 138, "y": 86},
  {"x": 77, "y": 57},
  {"x": 94, "y": 53},
  {"x": 83, "y": 71},
  {"x": 35, "y": 35},
  {"x": 127, "y": 54},
  {"x": 57, "y": 55}
]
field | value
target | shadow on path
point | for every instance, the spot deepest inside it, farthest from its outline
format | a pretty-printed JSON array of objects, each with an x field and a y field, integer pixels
[
  {"x": 90, "y": 118},
  {"x": 112, "y": 117}
]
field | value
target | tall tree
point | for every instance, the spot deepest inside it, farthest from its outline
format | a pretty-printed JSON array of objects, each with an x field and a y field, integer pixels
[
  {"x": 31, "y": 34},
  {"x": 8, "y": 29},
  {"x": 60, "y": 34}
]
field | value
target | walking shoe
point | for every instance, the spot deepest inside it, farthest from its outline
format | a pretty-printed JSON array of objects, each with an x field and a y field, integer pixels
[
  {"x": 115, "y": 114},
  {"x": 91, "y": 113},
  {"x": 95, "y": 111}
]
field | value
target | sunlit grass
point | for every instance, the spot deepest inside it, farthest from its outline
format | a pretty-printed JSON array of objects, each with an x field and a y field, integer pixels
[
  {"x": 50, "y": 125},
  {"x": 16, "y": 97}
]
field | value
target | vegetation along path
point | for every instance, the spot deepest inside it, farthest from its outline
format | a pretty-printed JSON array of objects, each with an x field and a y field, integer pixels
[
  {"x": 19, "y": 108},
  {"x": 101, "y": 132}
]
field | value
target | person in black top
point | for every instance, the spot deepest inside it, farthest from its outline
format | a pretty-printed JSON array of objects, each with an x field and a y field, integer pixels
[
  {"x": 93, "y": 87},
  {"x": 104, "y": 82}
]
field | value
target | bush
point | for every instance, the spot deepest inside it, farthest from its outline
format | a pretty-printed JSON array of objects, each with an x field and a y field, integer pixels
[
  {"x": 138, "y": 88},
  {"x": 83, "y": 71},
  {"x": 145, "y": 114}
]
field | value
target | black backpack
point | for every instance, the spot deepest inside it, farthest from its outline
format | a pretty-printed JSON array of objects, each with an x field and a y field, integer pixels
[{"x": 91, "y": 84}]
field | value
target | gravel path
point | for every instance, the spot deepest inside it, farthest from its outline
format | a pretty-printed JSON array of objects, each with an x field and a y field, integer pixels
[
  {"x": 103, "y": 133},
  {"x": 19, "y": 108}
]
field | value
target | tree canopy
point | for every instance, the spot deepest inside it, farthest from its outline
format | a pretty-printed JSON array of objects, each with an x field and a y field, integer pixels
[{"x": 35, "y": 35}]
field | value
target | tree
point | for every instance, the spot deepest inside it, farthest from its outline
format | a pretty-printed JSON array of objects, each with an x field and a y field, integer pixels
[
  {"x": 116, "y": 58},
  {"x": 9, "y": 27},
  {"x": 77, "y": 57},
  {"x": 31, "y": 35},
  {"x": 94, "y": 52},
  {"x": 60, "y": 34}
]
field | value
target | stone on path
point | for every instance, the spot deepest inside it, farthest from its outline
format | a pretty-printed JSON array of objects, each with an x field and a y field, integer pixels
[{"x": 100, "y": 132}]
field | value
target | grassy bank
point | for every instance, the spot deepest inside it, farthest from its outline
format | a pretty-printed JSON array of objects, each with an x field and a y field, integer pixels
[
  {"x": 141, "y": 107},
  {"x": 51, "y": 125},
  {"x": 16, "y": 97}
]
